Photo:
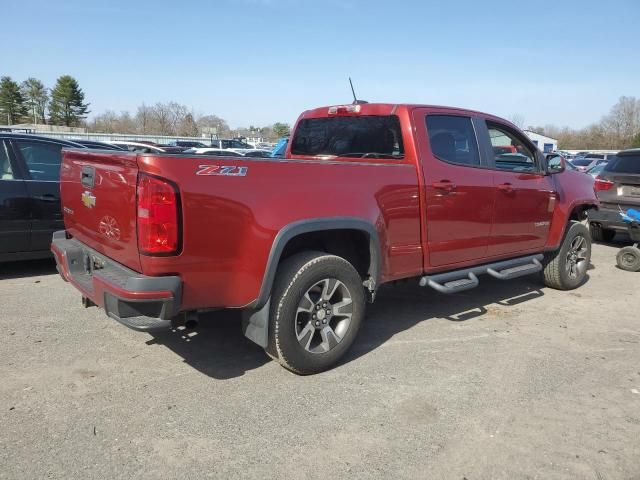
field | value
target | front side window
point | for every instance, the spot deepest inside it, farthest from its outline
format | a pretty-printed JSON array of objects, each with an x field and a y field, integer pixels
[
  {"x": 367, "y": 136},
  {"x": 453, "y": 139},
  {"x": 42, "y": 159},
  {"x": 510, "y": 153}
]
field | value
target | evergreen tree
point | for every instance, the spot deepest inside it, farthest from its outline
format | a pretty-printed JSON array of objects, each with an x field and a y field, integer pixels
[
  {"x": 36, "y": 98},
  {"x": 67, "y": 105},
  {"x": 12, "y": 106},
  {"x": 281, "y": 129}
]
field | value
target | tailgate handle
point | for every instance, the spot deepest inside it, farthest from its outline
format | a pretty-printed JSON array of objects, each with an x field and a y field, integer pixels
[{"x": 88, "y": 176}]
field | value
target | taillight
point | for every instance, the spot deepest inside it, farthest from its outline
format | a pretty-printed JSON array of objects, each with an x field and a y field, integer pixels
[
  {"x": 601, "y": 185},
  {"x": 158, "y": 223}
]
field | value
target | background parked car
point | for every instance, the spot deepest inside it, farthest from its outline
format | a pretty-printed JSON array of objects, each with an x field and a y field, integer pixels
[
  {"x": 253, "y": 152},
  {"x": 187, "y": 144},
  {"x": 147, "y": 147},
  {"x": 596, "y": 170},
  {"x": 29, "y": 194},
  {"x": 97, "y": 145},
  {"x": 618, "y": 189},
  {"x": 591, "y": 160},
  {"x": 225, "y": 143}
]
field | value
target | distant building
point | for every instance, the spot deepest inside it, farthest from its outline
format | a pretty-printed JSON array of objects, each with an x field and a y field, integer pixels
[{"x": 544, "y": 143}]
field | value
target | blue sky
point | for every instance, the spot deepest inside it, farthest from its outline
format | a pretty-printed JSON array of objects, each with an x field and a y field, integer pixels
[{"x": 560, "y": 62}]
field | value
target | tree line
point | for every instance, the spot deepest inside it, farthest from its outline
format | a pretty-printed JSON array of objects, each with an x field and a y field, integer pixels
[
  {"x": 174, "y": 119},
  {"x": 617, "y": 130},
  {"x": 31, "y": 102},
  {"x": 64, "y": 104}
]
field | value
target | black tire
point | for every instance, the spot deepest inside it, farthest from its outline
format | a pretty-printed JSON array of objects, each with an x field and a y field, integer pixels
[
  {"x": 628, "y": 258},
  {"x": 599, "y": 234},
  {"x": 558, "y": 271},
  {"x": 296, "y": 276}
]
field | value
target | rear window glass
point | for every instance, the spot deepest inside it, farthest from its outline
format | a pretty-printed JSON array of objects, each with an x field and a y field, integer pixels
[
  {"x": 624, "y": 164},
  {"x": 581, "y": 162},
  {"x": 357, "y": 136},
  {"x": 594, "y": 155}
]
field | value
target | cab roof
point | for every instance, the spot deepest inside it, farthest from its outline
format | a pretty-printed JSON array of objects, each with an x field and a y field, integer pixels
[{"x": 393, "y": 108}]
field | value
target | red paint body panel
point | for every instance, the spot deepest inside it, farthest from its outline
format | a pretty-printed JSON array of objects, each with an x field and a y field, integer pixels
[
  {"x": 115, "y": 198},
  {"x": 229, "y": 223}
]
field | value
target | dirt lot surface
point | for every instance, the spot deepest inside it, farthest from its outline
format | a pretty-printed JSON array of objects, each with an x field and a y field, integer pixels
[{"x": 510, "y": 381}]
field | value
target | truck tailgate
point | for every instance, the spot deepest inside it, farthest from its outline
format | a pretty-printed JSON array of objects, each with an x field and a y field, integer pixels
[{"x": 98, "y": 194}]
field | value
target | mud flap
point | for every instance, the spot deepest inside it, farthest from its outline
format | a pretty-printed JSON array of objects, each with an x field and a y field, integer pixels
[{"x": 255, "y": 324}]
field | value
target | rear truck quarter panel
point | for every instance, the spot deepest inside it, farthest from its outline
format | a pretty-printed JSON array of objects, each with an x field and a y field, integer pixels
[{"x": 230, "y": 222}]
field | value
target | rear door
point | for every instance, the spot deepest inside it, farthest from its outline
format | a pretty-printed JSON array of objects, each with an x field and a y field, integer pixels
[
  {"x": 458, "y": 188},
  {"x": 524, "y": 195},
  {"x": 42, "y": 162},
  {"x": 15, "y": 215},
  {"x": 624, "y": 172}
]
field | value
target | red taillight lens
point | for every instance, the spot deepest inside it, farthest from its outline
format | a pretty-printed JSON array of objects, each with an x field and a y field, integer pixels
[
  {"x": 602, "y": 185},
  {"x": 158, "y": 229}
]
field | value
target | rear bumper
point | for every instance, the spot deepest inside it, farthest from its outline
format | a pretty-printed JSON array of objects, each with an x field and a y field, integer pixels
[
  {"x": 137, "y": 301},
  {"x": 608, "y": 218}
]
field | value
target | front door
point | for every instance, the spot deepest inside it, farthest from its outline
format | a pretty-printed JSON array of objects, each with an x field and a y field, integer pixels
[
  {"x": 525, "y": 196},
  {"x": 42, "y": 161},
  {"x": 458, "y": 189},
  {"x": 15, "y": 221}
]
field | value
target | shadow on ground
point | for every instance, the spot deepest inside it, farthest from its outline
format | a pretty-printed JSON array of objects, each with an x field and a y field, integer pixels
[
  {"x": 218, "y": 349},
  {"x": 28, "y": 268}
]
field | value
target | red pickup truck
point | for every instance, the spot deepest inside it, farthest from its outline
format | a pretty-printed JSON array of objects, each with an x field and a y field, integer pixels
[{"x": 366, "y": 194}]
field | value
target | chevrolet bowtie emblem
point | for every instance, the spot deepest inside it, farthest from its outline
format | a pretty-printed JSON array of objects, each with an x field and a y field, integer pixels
[{"x": 88, "y": 199}]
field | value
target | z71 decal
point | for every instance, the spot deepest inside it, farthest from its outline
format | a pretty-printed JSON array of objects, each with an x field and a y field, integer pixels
[{"x": 218, "y": 170}]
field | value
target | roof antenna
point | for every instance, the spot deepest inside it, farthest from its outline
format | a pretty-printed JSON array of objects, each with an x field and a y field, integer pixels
[{"x": 355, "y": 99}]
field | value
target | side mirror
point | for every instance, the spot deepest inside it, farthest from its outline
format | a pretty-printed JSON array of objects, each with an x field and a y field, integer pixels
[{"x": 556, "y": 164}]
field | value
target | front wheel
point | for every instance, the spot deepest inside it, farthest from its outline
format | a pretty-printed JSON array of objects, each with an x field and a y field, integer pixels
[
  {"x": 318, "y": 303},
  {"x": 566, "y": 268},
  {"x": 628, "y": 259}
]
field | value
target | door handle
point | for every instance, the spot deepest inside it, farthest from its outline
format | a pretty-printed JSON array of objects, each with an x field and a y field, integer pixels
[
  {"x": 47, "y": 197},
  {"x": 506, "y": 187},
  {"x": 445, "y": 185}
]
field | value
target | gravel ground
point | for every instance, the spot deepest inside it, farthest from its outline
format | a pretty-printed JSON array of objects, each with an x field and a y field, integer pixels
[{"x": 510, "y": 380}]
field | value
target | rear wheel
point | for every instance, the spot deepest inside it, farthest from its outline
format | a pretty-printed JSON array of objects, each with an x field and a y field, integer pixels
[
  {"x": 599, "y": 234},
  {"x": 566, "y": 268},
  {"x": 318, "y": 304},
  {"x": 628, "y": 259}
]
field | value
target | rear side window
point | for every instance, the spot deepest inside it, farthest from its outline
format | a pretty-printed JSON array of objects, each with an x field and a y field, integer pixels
[
  {"x": 5, "y": 166},
  {"x": 453, "y": 139},
  {"x": 366, "y": 136},
  {"x": 42, "y": 159},
  {"x": 624, "y": 164}
]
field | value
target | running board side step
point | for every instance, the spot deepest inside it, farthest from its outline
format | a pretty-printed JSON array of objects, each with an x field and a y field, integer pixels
[{"x": 467, "y": 278}]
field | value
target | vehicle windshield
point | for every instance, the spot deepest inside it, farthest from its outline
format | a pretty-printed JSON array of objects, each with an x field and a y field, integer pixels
[
  {"x": 582, "y": 162},
  {"x": 352, "y": 136}
]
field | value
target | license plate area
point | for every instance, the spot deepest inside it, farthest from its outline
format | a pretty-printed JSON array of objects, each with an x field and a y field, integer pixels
[{"x": 632, "y": 191}]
